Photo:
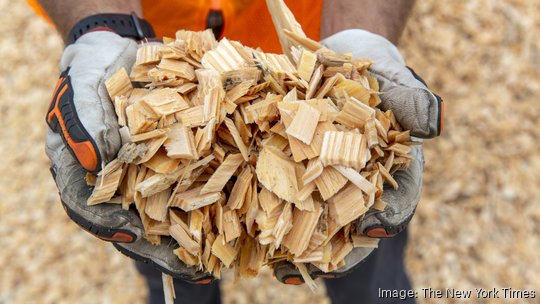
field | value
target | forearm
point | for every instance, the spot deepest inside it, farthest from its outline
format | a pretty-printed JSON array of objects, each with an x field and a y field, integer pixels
[
  {"x": 66, "y": 13},
  {"x": 383, "y": 17}
]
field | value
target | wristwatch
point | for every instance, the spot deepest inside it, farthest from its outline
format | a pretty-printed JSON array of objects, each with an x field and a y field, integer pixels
[{"x": 129, "y": 26}]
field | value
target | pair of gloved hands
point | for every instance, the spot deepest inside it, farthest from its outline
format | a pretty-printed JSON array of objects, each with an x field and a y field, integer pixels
[{"x": 83, "y": 135}]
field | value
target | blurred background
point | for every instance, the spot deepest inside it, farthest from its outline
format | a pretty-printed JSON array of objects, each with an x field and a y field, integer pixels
[{"x": 476, "y": 225}]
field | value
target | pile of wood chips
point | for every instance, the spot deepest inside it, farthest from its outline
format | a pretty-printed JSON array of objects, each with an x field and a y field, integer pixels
[{"x": 247, "y": 158}]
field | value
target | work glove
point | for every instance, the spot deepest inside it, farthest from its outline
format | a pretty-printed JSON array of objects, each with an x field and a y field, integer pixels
[
  {"x": 83, "y": 135},
  {"x": 417, "y": 109}
]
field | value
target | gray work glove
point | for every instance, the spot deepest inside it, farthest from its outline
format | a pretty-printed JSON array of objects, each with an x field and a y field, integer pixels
[
  {"x": 83, "y": 135},
  {"x": 417, "y": 109}
]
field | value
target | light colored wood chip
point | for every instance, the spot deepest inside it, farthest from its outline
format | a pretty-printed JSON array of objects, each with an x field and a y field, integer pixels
[
  {"x": 268, "y": 200},
  {"x": 370, "y": 131},
  {"x": 195, "y": 224},
  {"x": 305, "y": 193},
  {"x": 304, "y": 123},
  {"x": 283, "y": 225},
  {"x": 355, "y": 113},
  {"x": 357, "y": 179},
  {"x": 137, "y": 120},
  {"x": 399, "y": 137},
  {"x": 108, "y": 181},
  {"x": 340, "y": 249},
  {"x": 181, "y": 235},
  {"x": 257, "y": 88},
  {"x": 327, "y": 85},
  {"x": 240, "y": 188},
  {"x": 163, "y": 101},
  {"x": 180, "y": 143},
  {"x": 139, "y": 73},
  {"x": 314, "y": 169},
  {"x": 223, "y": 58},
  {"x": 364, "y": 241},
  {"x": 204, "y": 138},
  {"x": 148, "y": 135},
  {"x": 306, "y": 64},
  {"x": 239, "y": 90},
  {"x": 231, "y": 78},
  {"x": 152, "y": 146},
  {"x": 120, "y": 105},
  {"x": 330, "y": 182},
  {"x": 119, "y": 84},
  {"x": 178, "y": 68},
  {"x": 192, "y": 199},
  {"x": 251, "y": 259},
  {"x": 400, "y": 149},
  {"x": 231, "y": 225},
  {"x": 342, "y": 148},
  {"x": 168, "y": 288},
  {"x": 303, "y": 226},
  {"x": 277, "y": 173},
  {"x": 156, "y": 205},
  {"x": 307, "y": 276},
  {"x": 148, "y": 53},
  {"x": 186, "y": 257},
  {"x": 161, "y": 163},
  {"x": 301, "y": 40},
  {"x": 224, "y": 251},
  {"x": 387, "y": 176},
  {"x": 352, "y": 88},
  {"x": 127, "y": 188},
  {"x": 347, "y": 205},
  {"x": 192, "y": 117},
  {"x": 223, "y": 173},
  {"x": 159, "y": 228},
  {"x": 237, "y": 138},
  {"x": 314, "y": 82},
  {"x": 157, "y": 183},
  {"x": 212, "y": 102}
]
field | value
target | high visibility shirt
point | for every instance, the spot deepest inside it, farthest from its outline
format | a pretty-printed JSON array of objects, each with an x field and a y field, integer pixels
[{"x": 247, "y": 21}]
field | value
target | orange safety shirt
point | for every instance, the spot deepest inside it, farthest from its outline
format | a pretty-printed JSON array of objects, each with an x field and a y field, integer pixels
[{"x": 247, "y": 21}]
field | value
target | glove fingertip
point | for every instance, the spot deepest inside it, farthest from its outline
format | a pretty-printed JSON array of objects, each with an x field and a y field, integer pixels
[{"x": 437, "y": 129}]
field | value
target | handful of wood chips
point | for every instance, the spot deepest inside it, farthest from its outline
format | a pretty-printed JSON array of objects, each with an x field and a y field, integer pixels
[{"x": 248, "y": 158}]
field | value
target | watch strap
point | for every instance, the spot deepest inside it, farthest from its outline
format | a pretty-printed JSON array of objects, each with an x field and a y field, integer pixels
[{"x": 129, "y": 26}]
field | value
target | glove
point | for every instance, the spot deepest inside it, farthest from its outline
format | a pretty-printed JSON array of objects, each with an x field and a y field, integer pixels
[
  {"x": 417, "y": 109},
  {"x": 84, "y": 134}
]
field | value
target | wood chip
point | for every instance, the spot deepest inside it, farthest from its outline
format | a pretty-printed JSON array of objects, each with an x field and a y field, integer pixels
[
  {"x": 108, "y": 180},
  {"x": 303, "y": 226},
  {"x": 304, "y": 123},
  {"x": 306, "y": 65},
  {"x": 180, "y": 143},
  {"x": 239, "y": 191},
  {"x": 277, "y": 173},
  {"x": 119, "y": 84},
  {"x": 193, "y": 199},
  {"x": 224, "y": 251},
  {"x": 347, "y": 205},
  {"x": 223, "y": 173},
  {"x": 357, "y": 179},
  {"x": 342, "y": 148},
  {"x": 182, "y": 237},
  {"x": 330, "y": 182},
  {"x": 178, "y": 68}
]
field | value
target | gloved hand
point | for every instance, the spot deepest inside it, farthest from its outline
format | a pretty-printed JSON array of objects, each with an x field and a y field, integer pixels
[
  {"x": 83, "y": 135},
  {"x": 417, "y": 109}
]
